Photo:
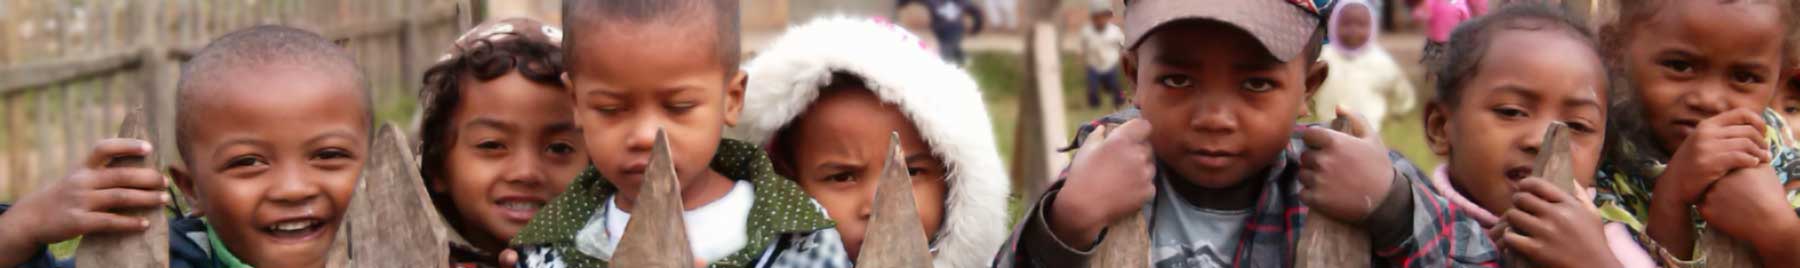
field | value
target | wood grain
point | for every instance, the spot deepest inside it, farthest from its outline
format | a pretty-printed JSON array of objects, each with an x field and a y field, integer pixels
[
  {"x": 1326, "y": 242},
  {"x": 130, "y": 250},
  {"x": 656, "y": 235},
  {"x": 894, "y": 238},
  {"x": 1555, "y": 162},
  {"x": 391, "y": 221}
]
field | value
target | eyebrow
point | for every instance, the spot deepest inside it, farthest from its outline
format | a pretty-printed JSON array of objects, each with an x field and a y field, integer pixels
[
  {"x": 919, "y": 157},
  {"x": 246, "y": 141},
  {"x": 669, "y": 90},
  {"x": 560, "y": 127},
  {"x": 489, "y": 123},
  {"x": 338, "y": 133}
]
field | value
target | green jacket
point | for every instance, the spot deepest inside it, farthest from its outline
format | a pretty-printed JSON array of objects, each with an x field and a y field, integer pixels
[{"x": 780, "y": 211}]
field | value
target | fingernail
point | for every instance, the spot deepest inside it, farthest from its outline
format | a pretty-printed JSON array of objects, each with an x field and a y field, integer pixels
[
  {"x": 144, "y": 223},
  {"x": 146, "y": 145},
  {"x": 165, "y": 198}
]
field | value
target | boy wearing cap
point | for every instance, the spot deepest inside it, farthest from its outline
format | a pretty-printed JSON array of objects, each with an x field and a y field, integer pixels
[{"x": 1216, "y": 162}]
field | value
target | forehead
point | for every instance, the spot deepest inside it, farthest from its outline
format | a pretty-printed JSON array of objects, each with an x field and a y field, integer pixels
[
  {"x": 1750, "y": 30},
  {"x": 646, "y": 50},
  {"x": 853, "y": 112},
  {"x": 1548, "y": 62},
  {"x": 1195, "y": 41},
  {"x": 283, "y": 97}
]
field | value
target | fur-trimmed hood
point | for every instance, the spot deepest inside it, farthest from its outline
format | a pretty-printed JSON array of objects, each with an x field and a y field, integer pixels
[{"x": 939, "y": 98}]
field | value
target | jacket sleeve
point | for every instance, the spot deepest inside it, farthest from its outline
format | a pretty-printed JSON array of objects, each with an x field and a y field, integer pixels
[
  {"x": 1033, "y": 244},
  {"x": 1435, "y": 234},
  {"x": 41, "y": 258}
]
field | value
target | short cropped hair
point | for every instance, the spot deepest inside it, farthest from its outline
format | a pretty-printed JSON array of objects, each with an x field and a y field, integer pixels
[
  {"x": 580, "y": 16},
  {"x": 259, "y": 46}
]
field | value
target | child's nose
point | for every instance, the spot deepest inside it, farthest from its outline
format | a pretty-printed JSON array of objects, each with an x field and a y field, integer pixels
[
  {"x": 1214, "y": 118},
  {"x": 293, "y": 187},
  {"x": 642, "y": 137},
  {"x": 1709, "y": 99},
  {"x": 525, "y": 169}
]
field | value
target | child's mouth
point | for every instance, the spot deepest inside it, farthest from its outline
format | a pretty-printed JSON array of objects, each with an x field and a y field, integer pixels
[
  {"x": 1518, "y": 173},
  {"x": 518, "y": 209},
  {"x": 296, "y": 229},
  {"x": 1212, "y": 158}
]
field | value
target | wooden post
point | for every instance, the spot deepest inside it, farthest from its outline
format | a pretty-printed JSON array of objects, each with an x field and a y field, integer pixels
[
  {"x": 1128, "y": 240},
  {"x": 1041, "y": 127},
  {"x": 656, "y": 236},
  {"x": 391, "y": 221},
  {"x": 1554, "y": 163},
  {"x": 1327, "y": 242},
  {"x": 894, "y": 238},
  {"x": 148, "y": 249}
]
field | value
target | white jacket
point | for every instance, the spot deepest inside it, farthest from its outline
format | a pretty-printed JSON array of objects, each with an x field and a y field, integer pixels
[{"x": 942, "y": 100}]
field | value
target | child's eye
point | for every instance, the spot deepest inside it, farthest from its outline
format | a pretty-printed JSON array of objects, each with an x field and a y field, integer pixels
[
  {"x": 560, "y": 148},
  {"x": 246, "y": 161},
  {"x": 1175, "y": 81},
  {"x": 609, "y": 109},
  {"x": 840, "y": 177},
  {"x": 1580, "y": 127},
  {"x": 915, "y": 171},
  {"x": 682, "y": 107},
  {"x": 1678, "y": 66},
  {"x": 1259, "y": 85},
  {"x": 1790, "y": 109},
  {"x": 1746, "y": 78},
  {"x": 490, "y": 145},
  {"x": 329, "y": 154},
  {"x": 1509, "y": 112}
]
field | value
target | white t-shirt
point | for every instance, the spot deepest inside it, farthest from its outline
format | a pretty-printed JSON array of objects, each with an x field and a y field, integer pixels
[
  {"x": 1101, "y": 47},
  {"x": 714, "y": 231}
]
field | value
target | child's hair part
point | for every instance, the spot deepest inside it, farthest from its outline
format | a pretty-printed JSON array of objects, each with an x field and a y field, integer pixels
[
  {"x": 580, "y": 16},
  {"x": 1470, "y": 41},
  {"x": 256, "y": 47}
]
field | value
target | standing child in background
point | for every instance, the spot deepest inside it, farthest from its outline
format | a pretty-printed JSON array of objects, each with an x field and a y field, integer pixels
[
  {"x": 1217, "y": 164},
  {"x": 1694, "y": 132},
  {"x": 272, "y": 124},
  {"x": 1364, "y": 78},
  {"x": 947, "y": 24},
  {"x": 825, "y": 96},
  {"x": 640, "y": 66},
  {"x": 499, "y": 137},
  {"x": 1101, "y": 43},
  {"x": 1506, "y": 77}
]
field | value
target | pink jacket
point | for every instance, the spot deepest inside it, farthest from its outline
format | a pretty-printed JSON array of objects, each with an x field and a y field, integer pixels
[
  {"x": 1618, "y": 236},
  {"x": 1442, "y": 16}
]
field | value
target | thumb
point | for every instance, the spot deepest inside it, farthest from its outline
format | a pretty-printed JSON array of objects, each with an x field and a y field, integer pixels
[
  {"x": 1351, "y": 123},
  {"x": 509, "y": 258},
  {"x": 1318, "y": 138}
]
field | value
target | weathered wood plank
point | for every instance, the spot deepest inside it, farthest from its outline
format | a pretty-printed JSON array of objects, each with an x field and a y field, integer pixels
[
  {"x": 1127, "y": 242},
  {"x": 41, "y": 74},
  {"x": 1327, "y": 242},
  {"x": 894, "y": 238},
  {"x": 656, "y": 235},
  {"x": 148, "y": 249},
  {"x": 1723, "y": 251},
  {"x": 1555, "y": 162},
  {"x": 391, "y": 221}
]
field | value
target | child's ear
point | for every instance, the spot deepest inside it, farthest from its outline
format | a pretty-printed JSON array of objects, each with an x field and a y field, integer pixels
[
  {"x": 1315, "y": 76},
  {"x": 1437, "y": 121},
  {"x": 1128, "y": 67},
  {"x": 185, "y": 182},
  {"x": 734, "y": 97}
]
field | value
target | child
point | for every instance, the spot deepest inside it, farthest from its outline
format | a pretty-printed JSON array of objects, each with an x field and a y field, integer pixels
[
  {"x": 1213, "y": 165},
  {"x": 499, "y": 133},
  {"x": 1100, "y": 47},
  {"x": 637, "y": 66},
  {"x": 1441, "y": 17},
  {"x": 826, "y": 95},
  {"x": 1695, "y": 131},
  {"x": 1364, "y": 78},
  {"x": 270, "y": 157},
  {"x": 1505, "y": 78},
  {"x": 1787, "y": 99}
]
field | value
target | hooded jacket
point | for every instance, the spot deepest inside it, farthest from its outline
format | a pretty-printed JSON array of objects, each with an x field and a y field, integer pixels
[{"x": 941, "y": 100}]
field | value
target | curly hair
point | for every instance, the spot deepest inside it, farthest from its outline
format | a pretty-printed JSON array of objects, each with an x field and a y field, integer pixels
[{"x": 536, "y": 61}]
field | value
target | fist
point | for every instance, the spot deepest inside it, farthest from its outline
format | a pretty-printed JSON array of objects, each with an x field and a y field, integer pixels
[
  {"x": 1554, "y": 228},
  {"x": 1743, "y": 203},
  {"x": 1344, "y": 176},
  {"x": 1725, "y": 142},
  {"x": 1106, "y": 182},
  {"x": 83, "y": 202}
]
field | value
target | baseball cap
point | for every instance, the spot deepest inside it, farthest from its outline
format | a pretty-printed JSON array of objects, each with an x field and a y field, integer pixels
[{"x": 1281, "y": 26}]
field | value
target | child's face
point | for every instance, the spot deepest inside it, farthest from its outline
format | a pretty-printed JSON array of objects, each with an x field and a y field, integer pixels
[
  {"x": 274, "y": 160},
  {"x": 1100, "y": 19},
  {"x": 840, "y": 145},
  {"x": 1527, "y": 80},
  {"x": 1353, "y": 27},
  {"x": 514, "y": 147},
  {"x": 1221, "y": 108},
  {"x": 1689, "y": 63},
  {"x": 1787, "y": 102},
  {"x": 631, "y": 79}
]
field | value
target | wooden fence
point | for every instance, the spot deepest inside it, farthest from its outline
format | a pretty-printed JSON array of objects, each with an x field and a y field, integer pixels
[{"x": 70, "y": 69}]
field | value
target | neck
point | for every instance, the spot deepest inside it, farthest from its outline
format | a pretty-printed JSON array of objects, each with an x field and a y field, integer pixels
[
  {"x": 709, "y": 187},
  {"x": 1235, "y": 197}
]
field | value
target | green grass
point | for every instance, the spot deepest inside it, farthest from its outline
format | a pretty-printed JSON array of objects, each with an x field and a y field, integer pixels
[{"x": 1002, "y": 77}]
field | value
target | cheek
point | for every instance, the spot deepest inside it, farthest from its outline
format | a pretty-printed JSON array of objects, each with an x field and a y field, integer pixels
[
  {"x": 929, "y": 197},
  {"x": 470, "y": 177}
]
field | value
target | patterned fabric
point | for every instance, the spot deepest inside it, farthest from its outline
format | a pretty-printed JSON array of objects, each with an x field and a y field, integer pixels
[
  {"x": 1625, "y": 197},
  {"x": 1440, "y": 235},
  {"x": 780, "y": 208}
]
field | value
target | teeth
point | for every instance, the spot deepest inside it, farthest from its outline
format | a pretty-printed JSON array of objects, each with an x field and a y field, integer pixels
[
  {"x": 520, "y": 205},
  {"x": 292, "y": 226}
]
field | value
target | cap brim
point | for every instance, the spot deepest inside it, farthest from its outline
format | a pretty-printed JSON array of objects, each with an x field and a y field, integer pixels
[{"x": 1282, "y": 28}]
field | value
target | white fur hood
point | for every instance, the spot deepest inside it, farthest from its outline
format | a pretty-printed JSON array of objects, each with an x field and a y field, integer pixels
[{"x": 942, "y": 100}]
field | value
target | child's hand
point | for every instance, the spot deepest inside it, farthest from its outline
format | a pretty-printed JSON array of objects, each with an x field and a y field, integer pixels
[
  {"x": 1554, "y": 228},
  {"x": 1748, "y": 204},
  {"x": 1106, "y": 182},
  {"x": 1342, "y": 176},
  {"x": 1725, "y": 142},
  {"x": 83, "y": 202}
]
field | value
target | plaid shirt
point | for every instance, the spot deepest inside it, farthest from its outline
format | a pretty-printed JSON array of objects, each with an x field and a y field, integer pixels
[{"x": 1440, "y": 236}]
